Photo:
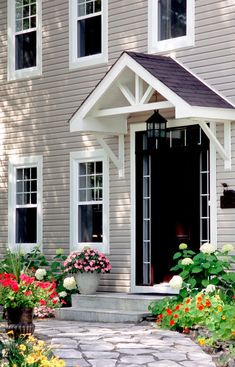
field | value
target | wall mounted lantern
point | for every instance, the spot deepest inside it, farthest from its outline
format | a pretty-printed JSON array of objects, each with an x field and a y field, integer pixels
[{"x": 156, "y": 130}]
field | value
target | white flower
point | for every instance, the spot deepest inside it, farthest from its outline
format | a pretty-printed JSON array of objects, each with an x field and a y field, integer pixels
[
  {"x": 176, "y": 282},
  {"x": 210, "y": 288},
  {"x": 187, "y": 261},
  {"x": 208, "y": 248},
  {"x": 183, "y": 246},
  {"x": 40, "y": 274},
  {"x": 69, "y": 283},
  {"x": 227, "y": 247},
  {"x": 62, "y": 294}
]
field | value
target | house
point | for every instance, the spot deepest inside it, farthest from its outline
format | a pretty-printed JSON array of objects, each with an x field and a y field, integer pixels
[{"x": 79, "y": 163}]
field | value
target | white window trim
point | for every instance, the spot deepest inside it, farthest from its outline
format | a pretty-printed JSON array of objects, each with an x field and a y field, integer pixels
[
  {"x": 86, "y": 61},
  {"x": 23, "y": 162},
  {"x": 174, "y": 43},
  {"x": 27, "y": 72},
  {"x": 86, "y": 156}
]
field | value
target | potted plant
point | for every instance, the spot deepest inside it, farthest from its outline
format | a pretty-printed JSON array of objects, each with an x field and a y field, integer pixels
[
  {"x": 20, "y": 296},
  {"x": 87, "y": 266}
]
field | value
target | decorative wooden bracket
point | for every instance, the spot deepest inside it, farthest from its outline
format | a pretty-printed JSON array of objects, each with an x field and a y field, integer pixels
[
  {"x": 224, "y": 151},
  {"x": 117, "y": 161}
]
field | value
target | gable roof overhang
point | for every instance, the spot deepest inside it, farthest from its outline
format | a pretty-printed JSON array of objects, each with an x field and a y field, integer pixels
[{"x": 128, "y": 87}]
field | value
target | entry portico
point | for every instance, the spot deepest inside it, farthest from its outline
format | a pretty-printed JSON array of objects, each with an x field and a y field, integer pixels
[{"x": 136, "y": 85}]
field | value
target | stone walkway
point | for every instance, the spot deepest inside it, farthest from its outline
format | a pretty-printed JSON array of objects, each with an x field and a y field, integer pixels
[{"x": 86, "y": 344}]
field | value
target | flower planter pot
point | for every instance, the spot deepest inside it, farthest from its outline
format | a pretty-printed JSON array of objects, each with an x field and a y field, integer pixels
[
  {"x": 87, "y": 283},
  {"x": 20, "y": 321}
]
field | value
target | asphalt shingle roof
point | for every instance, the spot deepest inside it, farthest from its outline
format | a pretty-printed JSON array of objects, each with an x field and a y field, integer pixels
[{"x": 179, "y": 80}]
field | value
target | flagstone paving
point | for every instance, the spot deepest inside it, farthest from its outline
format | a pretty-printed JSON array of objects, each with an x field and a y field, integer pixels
[{"x": 86, "y": 344}]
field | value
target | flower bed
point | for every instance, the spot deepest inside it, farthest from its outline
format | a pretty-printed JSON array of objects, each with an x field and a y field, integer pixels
[{"x": 205, "y": 305}]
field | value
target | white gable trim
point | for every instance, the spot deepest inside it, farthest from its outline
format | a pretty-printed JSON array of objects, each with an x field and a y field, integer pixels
[{"x": 94, "y": 118}]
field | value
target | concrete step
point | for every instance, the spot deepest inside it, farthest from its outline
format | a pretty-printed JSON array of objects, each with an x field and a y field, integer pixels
[
  {"x": 104, "y": 315},
  {"x": 107, "y": 307},
  {"x": 114, "y": 301}
]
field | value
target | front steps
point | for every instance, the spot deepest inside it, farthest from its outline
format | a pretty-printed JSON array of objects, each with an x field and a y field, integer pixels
[{"x": 107, "y": 307}]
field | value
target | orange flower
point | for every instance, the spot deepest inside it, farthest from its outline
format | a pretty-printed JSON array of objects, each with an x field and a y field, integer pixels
[
  {"x": 200, "y": 307},
  {"x": 202, "y": 341},
  {"x": 188, "y": 300},
  {"x": 199, "y": 299},
  {"x": 172, "y": 322},
  {"x": 186, "y": 309},
  {"x": 208, "y": 304}
]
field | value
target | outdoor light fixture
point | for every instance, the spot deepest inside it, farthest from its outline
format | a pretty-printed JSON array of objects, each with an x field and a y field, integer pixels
[{"x": 156, "y": 129}]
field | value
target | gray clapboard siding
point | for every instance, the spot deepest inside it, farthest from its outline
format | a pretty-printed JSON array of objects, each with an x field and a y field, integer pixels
[{"x": 37, "y": 112}]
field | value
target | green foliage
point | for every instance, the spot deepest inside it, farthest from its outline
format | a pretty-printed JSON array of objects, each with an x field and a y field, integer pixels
[
  {"x": 204, "y": 269},
  {"x": 25, "y": 352}
]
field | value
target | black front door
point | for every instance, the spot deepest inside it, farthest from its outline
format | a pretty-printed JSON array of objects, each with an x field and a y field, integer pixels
[{"x": 171, "y": 188}]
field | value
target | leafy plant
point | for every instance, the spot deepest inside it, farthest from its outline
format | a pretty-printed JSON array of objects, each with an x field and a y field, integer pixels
[{"x": 209, "y": 266}]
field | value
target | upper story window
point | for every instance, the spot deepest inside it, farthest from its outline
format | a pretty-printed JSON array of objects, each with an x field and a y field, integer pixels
[
  {"x": 88, "y": 32},
  {"x": 24, "y": 38},
  {"x": 171, "y": 24},
  {"x": 25, "y": 201}
]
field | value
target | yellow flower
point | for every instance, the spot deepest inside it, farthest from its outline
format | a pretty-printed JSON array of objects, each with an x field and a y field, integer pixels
[
  {"x": 22, "y": 347},
  {"x": 202, "y": 341},
  {"x": 220, "y": 308},
  {"x": 223, "y": 317},
  {"x": 30, "y": 359}
]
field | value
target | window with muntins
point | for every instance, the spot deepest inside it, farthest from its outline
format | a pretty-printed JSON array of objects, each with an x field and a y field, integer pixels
[
  {"x": 89, "y": 200},
  {"x": 88, "y": 32},
  {"x": 24, "y": 38},
  {"x": 26, "y": 205},
  {"x": 171, "y": 24},
  {"x": 25, "y": 202}
]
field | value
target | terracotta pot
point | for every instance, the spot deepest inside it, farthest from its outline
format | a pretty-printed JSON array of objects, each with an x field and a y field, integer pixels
[
  {"x": 20, "y": 321},
  {"x": 87, "y": 283}
]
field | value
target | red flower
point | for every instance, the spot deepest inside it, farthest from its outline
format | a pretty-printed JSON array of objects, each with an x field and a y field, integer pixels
[
  {"x": 168, "y": 311},
  {"x": 186, "y": 309},
  {"x": 176, "y": 316},
  {"x": 186, "y": 330},
  {"x": 27, "y": 293},
  {"x": 177, "y": 307},
  {"x": 53, "y": 295},
  {"x": 200, "y": 307},
  {"x": 42, "y": 302},
  {"x": 44, "y": 285},
  {"x": 188, "y": 300},
  {"x": 55, "y": 301},
  {"x": 26, "y": 279},
  {"x": 160, "y": 316},
  {"x": 63, "y": 302},
  {"x": 14, "y": 286},
  {"x": 172, "y": 322}
]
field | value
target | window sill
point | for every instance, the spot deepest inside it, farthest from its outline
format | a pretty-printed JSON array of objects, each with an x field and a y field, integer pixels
[
  {"x": 87, "y": 61},
  {"x": 171, "y": 44},
  {"x": 24, "y": 74}
]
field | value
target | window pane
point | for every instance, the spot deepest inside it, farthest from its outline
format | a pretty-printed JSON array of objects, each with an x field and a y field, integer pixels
[
  {"x": 33, "y": 9},
  {"x": 89, "y": 36},
  {"x": 89, "y": 7},
  {"x": 19, "y": 173},
  {"x": 81, "y": 10},
  {"x": 26, "y": 199},
  {"x": 25, "y": 50},
  {"x": 19, "y": 199},
  {"x": 98, "y": 167},
  {"x": 90, "y": 168},
  {"x": 90, "y": 223},
  {"x": 25, "y": 11},
  {"x": 98, "y": 5},
  {"x": 26, "y": 186},
  {"x": 82, "y": 168},
  {"x": 172, "y": 19},
  {"x": 26, "y": 225},
  {"x": 82, "y": 182},
  {"x": 34, "y": 185},
  {"x": 82, "y": 195},
  {"x": 33, "y": 22},
  {"x": 90, "y": 181},
  {"x": 19, "y": 186},
  {"x": 34, "y": 198},
  {"x": 25, "y": 24},
  {"x": 18, "y": 13},
  {"x": 33, "y": 172}
]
